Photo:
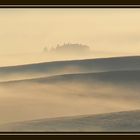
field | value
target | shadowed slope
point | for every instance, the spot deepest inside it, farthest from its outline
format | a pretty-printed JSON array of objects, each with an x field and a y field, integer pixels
[
  {"x": 69, "y": 94},
  {"x": 72, "y": 94},
  {"x": 73, "y": 66},
  {"x": 109, "y": 122},
  {"x": 111, "y": 77}
]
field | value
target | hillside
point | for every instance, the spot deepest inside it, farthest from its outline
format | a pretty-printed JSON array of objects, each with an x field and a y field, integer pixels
[
  {"x": 112, "y": 87},
  {"x": 119, "y": 77},
  {"x": 67, "y": 67},
  {"x": 125, "y": 121}
]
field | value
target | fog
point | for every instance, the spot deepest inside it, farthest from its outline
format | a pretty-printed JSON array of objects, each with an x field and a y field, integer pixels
[
  {"x": 81, "y": 86},
  {"x": 69, "y": 88},
  {"x": 29, "y": 101},
  {"x": 108, "y": 32}
]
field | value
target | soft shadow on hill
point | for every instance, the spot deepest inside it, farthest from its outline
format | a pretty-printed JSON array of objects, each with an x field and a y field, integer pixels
[
  {"x": 70, "y": 88},
  {"x": 126, "y": 121},
  {"x": 68, "y": 67},
  {"x": 70, "y": 94}
]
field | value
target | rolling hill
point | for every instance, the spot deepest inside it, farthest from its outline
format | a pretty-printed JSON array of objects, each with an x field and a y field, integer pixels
[
  {"x": 71, "y": 88},
  {"x": 119, "y": 77},
  {"x": 68, "y": 67},
  {"x": 125, "y": 121}
]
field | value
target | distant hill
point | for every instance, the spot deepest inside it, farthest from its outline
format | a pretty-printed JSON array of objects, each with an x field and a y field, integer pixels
[
  {"x": 68, "y": 67},
  {"x": 127, "y": 121}
]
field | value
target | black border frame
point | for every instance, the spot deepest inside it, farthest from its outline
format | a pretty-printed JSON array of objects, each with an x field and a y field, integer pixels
[{"x": 71, "y": 6}]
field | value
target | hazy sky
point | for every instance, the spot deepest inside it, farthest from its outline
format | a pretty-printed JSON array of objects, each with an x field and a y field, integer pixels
[{"x": 107, "y": 31}]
